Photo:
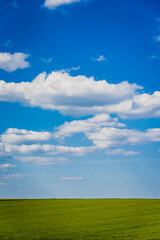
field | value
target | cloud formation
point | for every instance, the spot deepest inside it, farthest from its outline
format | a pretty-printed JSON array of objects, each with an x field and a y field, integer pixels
[
  {"x": 85, "y": 126},
  {"x": 106, "y": 134},
  {"x": 72, "y": 95},
  {"x": 11, "y": 62},
  {"x": 52, "y": 4},
  {"x": 80, "y": 96},
  {"x": 21, "y": 136}
]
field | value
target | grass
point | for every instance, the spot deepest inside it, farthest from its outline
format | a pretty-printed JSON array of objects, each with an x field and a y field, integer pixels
[{"x": 70, "y": 219}]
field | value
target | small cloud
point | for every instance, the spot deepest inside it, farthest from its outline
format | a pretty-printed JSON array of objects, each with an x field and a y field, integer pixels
[
  {"x": 4, "y": 167},
  {"x": 72, "y": 178},
  {"x": 68, "y": 70},
  {"x": 8, "y": 44},
  {"x": 45, "y": 60},
  {"x": 100, "y": 58},
  {"x": 75, "y": 68},
  {"x": 11, "y": 62},
  {"x": 52, "y": 4}
]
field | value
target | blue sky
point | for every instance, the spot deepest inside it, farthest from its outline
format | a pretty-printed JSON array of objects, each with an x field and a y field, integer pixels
[{"x": 79, "y": 99}]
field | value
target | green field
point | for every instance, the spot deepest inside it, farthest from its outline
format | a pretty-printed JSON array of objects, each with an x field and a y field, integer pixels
[{"x": 80, "y": 219}]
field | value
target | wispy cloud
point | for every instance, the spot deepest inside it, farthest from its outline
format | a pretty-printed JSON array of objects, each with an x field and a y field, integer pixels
[
  {"x": 16, "y": 176},
  {"x": 11, "y": 62},
  {"x": 100, "y": 58},
  {"x": 72, "y": 178},
  {"x": 6, "y": 166},
  {"x": 120, "y": 151},
  {"x": 45, "y": 160},
  {"x": 46, "y": 60},
  {"x": 52, "y": 4}
]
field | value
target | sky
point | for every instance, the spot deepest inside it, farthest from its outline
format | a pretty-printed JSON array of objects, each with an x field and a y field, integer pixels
[{"x": 79, "y": 99}]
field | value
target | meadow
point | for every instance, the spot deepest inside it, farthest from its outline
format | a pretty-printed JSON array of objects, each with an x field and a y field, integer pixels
[{"x": 75, "y": 219}]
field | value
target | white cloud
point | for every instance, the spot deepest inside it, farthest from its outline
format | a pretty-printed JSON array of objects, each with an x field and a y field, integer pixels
[
  {"x": 52, "y": 4},
  {"x": 110, "y": 137},
  {"x": 43, "y": 149},
  {"x": 72, "y": 178},
  {"x": 11, "y": 62},
  {"x": 105, "y": 133},
  {"x": 5, "y": 166},
  {"x": 20, "y": 136},
  {"x": 89, "y": 125},
  {"x": 100, "y": 58},
  {"x": 39, "y": 160},
  {"x": 75, "y": 95},
  {"x": 120, "y": 151}
]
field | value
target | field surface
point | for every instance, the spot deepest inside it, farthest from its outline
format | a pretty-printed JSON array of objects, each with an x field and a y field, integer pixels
[{"x": 80, "y": 219}]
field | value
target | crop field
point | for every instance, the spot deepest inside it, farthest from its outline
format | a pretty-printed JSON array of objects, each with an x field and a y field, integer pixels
[{"x": 80, "y": 219}]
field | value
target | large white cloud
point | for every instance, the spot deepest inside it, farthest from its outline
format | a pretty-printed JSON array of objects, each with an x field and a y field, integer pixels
[
  {"x": 52, "y": 4},
  {"x": 81, "y": 96},
  {"x": 11, "y": 62}
]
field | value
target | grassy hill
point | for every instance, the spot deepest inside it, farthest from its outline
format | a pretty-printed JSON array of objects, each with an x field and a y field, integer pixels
[{"x": 108, "y": 219}]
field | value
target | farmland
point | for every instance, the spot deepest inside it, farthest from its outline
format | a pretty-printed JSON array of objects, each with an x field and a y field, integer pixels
[{"x": 75, "y": 219}]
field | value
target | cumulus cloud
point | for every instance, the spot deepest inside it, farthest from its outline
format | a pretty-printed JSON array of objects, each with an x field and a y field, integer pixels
[
  {"x": 52, "y": 4},
  {"x": 110, "y": 137},
  {"x": 21, "y": 136},
  {"x": 106, "y": 134},
  {"x": 79, "y": 95},
  {"x": 43, "y": 149},
  {"x": 11, "y": 62},
  {"x": 84, "y": 126},
  {"x": 72, "y": 178}
]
